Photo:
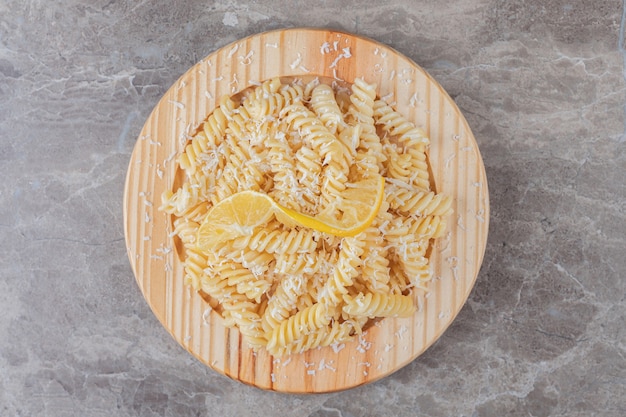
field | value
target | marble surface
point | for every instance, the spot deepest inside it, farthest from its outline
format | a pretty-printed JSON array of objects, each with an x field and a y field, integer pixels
[{"x": 542, "y": 84}]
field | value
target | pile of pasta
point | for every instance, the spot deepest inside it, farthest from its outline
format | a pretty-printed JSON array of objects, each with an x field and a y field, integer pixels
[{"x": 289, "y": 288}]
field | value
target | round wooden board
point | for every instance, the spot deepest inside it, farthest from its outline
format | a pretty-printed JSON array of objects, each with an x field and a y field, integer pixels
[{"x": 457, "y": 170}]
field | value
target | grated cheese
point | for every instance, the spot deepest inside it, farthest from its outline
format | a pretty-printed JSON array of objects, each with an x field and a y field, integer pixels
[
  {"x": 364, "y": 345},
  {"x": 233, "y": 50},
  {"x": 337, "y": 347},
  {"x": 234, "y": 84},
  {"x": 346, "y": 54},
  {"x": 323, "y": 365},
  {"x": 449, "y": 159},
  {"x": 206, "y": 316},
  {"x": 164, "y": 249},
  {"x": 178, "y": 104},
  {"x": 246, "y": 60},
  {"x": 400, "y": 333},
  {"x": 387, "y": 97},
  {"x": 459, "y": 222},
  {"x": 296, "y": 62}
]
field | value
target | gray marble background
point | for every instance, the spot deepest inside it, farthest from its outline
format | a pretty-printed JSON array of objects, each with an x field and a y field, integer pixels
[{"x": 542, "y": 85}]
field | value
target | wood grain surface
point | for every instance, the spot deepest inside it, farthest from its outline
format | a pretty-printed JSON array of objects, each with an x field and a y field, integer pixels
[{"x": 457, "y": 170}]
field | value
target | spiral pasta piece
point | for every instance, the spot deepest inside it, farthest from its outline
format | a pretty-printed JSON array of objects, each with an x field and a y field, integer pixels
[
  {"x": 419, "y": 166},
  {"x": 416, "y": 270},
  {"x": 375, "y": 268},
  {"x": 418, "y": 202},
  {"x": 227, "y": 184},
  {"x": 412, "y": 138},
  {"x": 313, "y": 131},
  {"x": 336, "y": 332},
  {"x": 208, "y": 138},
  {"x": 300, "y": 324},
  {"x": 361, "y": 111},
  {"x": 238, "y": 175},
  {"x": 326, "y": 108},
  {"x": 308, "y": 169},
  {"x": 245, "y": 316},
  {"x": 282, "y": 165},
  {"x": 283, "y": 301},
  {"x": 397, "y": 125},
  {"x": 186, "y": 230},
  {"x": 362, "y": 102},
  {"x": 189, "y": 159},
  {"x": 398, "y": 165},
  {"x": 215, "y": 125},
  {"x": 284, "y": 241},
  {"x": 244, "y": 280},
  {"x": 302, "y": 263},
  {"x": 346, "y": 270},
  {"x": 196, "y": 213},
  {"x": 212, "y": 281},
  {"x": 239, "y": 128},
  {"x": 379, "y": 305},
  {"x": 261, "y": 101},
  {"x": 308, "y": 89},
  {"x": 177, "y": 203},
  {"x": 291, "y": 93},
  {"x": 429, "y": 227},
  {"x": 409, "y": 257},
  {"x": 334, "y": 155},
  {"x": 195, "y": 263}
]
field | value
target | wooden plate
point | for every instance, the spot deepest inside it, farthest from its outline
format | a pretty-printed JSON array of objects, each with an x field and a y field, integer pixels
[{"x": 457, "y": 169}]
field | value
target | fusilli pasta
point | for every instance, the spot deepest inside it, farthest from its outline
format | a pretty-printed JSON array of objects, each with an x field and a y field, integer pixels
[{"x": 289, "y": 288}]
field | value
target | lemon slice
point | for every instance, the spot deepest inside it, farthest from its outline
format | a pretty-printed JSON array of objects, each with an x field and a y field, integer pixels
[
  {"x": 240, "y": 213},
  {"x": 234, "y": 216},
  {"x": 353, "y": 212}
]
